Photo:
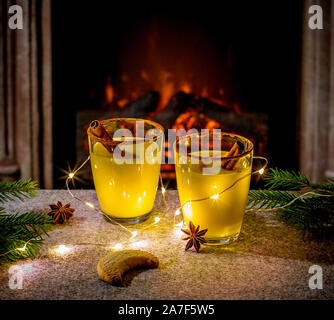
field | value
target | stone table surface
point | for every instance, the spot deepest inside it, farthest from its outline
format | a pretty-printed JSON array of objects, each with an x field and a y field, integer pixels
[{"x": 269, "y": 260}]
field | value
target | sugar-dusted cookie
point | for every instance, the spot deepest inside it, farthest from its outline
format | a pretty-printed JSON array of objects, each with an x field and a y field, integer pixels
[{"x": 113, "y": 266}]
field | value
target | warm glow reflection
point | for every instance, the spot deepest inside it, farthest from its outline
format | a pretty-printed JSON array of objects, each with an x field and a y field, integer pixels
[
  {"x": 215, "y": 196},
  {"x": 62, "y": 249},
  {"x": 117, "y": 246},
  {"x": 186, "y": 87},
  {"x": 187, "y": 211},
  {"x": 178, "y": 232},
  {"x": 140, "y": 244}
]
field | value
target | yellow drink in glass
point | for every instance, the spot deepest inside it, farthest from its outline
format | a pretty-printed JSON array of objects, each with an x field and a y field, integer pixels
[
  {"x": 126, "y": 191},
  {"x": 221, "y": 213}
]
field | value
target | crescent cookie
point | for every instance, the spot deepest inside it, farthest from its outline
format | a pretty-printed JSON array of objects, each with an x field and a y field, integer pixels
[{"x": 112, "y": 267}]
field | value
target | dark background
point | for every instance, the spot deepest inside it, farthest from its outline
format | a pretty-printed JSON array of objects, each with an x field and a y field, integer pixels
[{"x": 257, "y": 47}]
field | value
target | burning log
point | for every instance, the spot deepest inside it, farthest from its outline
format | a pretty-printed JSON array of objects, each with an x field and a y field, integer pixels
[
  {"x": 229, "y": 117},
  {"x": 139, "y": 108},
  {"x": 183, "y": 111},
  {"x": 182, "y": 102},
  {"x": 200, "y": 113},
  {"x": 194, "y": 120},
  {"x": 187, "y": 111},
  {"x": 177, "y": 104},
  {"x": 252, "y": 125}
]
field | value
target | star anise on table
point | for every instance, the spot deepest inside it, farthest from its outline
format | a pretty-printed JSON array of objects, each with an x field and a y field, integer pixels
[
  {"x": 195, "y": 237},
  {"x": 60, "y": 213}
]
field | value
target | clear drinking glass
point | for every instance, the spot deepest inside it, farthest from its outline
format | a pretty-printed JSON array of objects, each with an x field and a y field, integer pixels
[
  {"x": 212, "y": 186},
  {"x": 126, "y": 167}
]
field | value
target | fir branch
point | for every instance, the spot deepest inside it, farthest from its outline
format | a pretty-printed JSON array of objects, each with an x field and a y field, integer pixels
[
  {"x": 327, "y": 187},
  {"x": 312, "y": 211},
  {"x": 312, "y": 215},
  {"x": 21, "y": 230},
  {"x": 20, "y": 189},
  {"x": 268, "y": 199},
  {"x": 286, "y": 180},
  {"x": 10, "y": 249}
]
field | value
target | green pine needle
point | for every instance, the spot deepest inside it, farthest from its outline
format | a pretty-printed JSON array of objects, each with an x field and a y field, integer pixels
[
  {"x": 19, "y": 229},
  {"x": 328, "y": 187},
  {"x": 268, "y": 199},
  {"x": 20, "y": 189},
  {"x": 286, "y": 180},
  {"x": 24, "y": 230},
  {"x": 312, "y": 214}
]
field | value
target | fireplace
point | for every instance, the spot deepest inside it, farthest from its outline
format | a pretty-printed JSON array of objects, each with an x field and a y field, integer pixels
[
  {"x": 243, "y": 68},
  {"x": 182, "y": 111},
  {"x": 183, "y": 66}
]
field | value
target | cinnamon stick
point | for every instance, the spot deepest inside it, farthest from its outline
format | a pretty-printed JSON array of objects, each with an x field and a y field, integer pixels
[
  {"x": 230, "y": 164},
  {"x": 98, "y": 130}
]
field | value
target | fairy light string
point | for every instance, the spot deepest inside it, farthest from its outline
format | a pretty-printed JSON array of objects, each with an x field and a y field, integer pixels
[
  {"x": 133, "y": 234},
  {"x": 217, "y": 195},
  {"x": 163, "y": 192},
  {"x": 290, "y": 202},
  {"x": 259, "y": 171},
  {"x": 17, "y": 249},
  {"x": 63, "y": 249},
  {"x": 178, "y": 211}
]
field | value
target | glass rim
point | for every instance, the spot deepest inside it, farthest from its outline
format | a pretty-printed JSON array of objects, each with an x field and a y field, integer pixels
[
  {"x": 154, "y": 124},
  {"x": 178, "y": 138}
]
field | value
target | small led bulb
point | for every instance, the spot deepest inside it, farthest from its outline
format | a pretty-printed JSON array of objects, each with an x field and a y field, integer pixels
[
  {"x": 62, "y": 249},
  {"x": 118, "y": 246},
  {"x": 134, "y": 234},
  {"x": 89, "y": 204},
  {"x": 23, "y": 248}
]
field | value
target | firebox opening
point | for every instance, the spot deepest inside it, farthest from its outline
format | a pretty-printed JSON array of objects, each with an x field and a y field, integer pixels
[{"x": 183, "y": 66}]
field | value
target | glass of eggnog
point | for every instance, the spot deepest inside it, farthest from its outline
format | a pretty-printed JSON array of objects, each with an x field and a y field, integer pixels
[
  {"x": 125, "y": 160},
  {"x": 213, "y": 171}
]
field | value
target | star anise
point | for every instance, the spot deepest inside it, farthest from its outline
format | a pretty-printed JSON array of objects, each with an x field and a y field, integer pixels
[
  {"x": 195, "y": 237},
  {"x": 60, "y": 213}
]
